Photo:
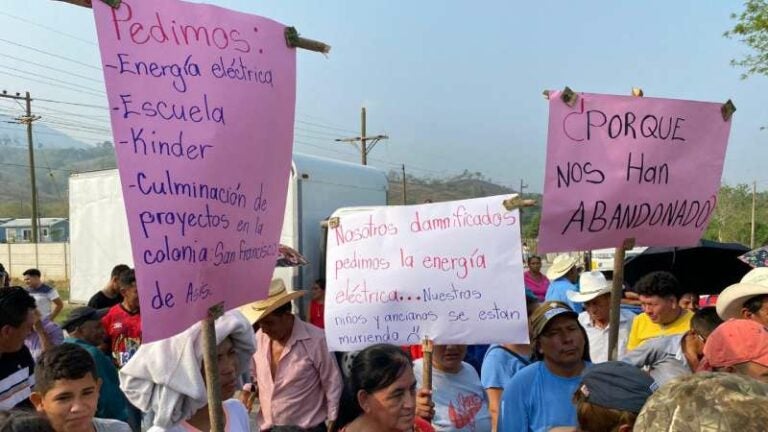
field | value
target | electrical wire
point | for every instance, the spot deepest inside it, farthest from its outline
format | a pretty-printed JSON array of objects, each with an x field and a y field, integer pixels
[
  {"x": 51, "y": 29},
  {"x": 50, "y": 54},
  {"x": 98, "y": 81},
  {"x": 69, "y": 83},
  {"x": 59, "y": 86}
]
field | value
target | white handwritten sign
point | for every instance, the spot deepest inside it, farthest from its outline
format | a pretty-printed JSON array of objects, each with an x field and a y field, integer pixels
[{"x": 451, "y": 272}]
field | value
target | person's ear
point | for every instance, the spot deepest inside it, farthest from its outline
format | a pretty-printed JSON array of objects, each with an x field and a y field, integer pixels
[
  {"x": 362, "y": 400},
  {"x": 625, "y": 428},
  {"x": 37, "y": 400},
  {"x": 745, "y": 313}
]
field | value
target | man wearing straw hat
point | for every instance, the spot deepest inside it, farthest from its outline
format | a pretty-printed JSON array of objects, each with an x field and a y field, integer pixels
[
  {"x": 298, "y": 380},
  {"x": 747, "y": 299},
  {"x": 564, "y": 274},
  {"x": 595, "y": 294}
]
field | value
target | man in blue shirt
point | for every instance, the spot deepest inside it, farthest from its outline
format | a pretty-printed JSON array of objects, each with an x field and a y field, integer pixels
[
  {"x": 564, "y": 273},
  {"x": 84, "y": 328},
  {"x": 539, "y": 397}
]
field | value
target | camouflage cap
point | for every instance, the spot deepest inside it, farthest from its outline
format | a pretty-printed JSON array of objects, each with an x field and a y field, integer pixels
[{"x": 712, "y": 402}]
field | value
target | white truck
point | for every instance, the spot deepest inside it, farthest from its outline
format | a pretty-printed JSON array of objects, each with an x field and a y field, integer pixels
[
  {"x": 602, "y": 259},
  {"x": 318, "y": 186}
]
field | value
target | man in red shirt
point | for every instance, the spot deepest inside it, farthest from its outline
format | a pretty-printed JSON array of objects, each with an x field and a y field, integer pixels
[{"x": 123, "y": 322}]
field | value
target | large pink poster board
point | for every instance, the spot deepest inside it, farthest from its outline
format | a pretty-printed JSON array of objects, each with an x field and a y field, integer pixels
[
  {"x": 630, "y": 167},
  {"x": 202, "y": 107}
]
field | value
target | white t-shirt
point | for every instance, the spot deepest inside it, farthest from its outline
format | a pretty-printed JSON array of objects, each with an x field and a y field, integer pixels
[
  {"x": 44, "y": 297},
  {"x": 108, "y": 425},
  {"x": 460, "y": 400},
  {"x": 237, "y": 420}
]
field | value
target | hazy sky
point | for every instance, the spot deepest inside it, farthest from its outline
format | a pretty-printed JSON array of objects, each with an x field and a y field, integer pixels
[{"x": 455, "y": 84}]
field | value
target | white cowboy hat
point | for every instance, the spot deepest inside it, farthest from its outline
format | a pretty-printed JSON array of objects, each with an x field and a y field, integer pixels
[
  {"x": 591, "y": 285},
  {"x": 562, "y": 265},
  {"x": 278, "y": 296},
  {"x": 731, "y": 300}
]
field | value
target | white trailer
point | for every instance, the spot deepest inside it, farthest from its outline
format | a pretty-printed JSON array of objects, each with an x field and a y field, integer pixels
[{"x": 318, "y": 186}]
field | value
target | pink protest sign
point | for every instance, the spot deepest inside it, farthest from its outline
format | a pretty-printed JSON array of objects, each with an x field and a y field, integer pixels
[
  {"x": 630, "y": 167},
  {"x": 202, "y": 107}
]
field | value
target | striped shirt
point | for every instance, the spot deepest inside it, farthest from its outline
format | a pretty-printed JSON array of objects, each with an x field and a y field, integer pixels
[{"x": 16, "y": 379}]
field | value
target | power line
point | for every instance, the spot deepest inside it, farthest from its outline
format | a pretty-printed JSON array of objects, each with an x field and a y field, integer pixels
[
  {"x": 48, "y": 28},
  {"x": 53, "y": 68},
  {"x": 324, "y": 122},
  {"x": 381, "y": 161},
  {"x": 72, "y": 103},
  {"x": 76, "y": 126},
  {"x": 56, "y": 112},
  {"x": 48, "y": 165},
  {"x": 76, "y": 121},
  {"x": 84, "y": 135},
  {"x": 53, "y": 79},
  {"x": 326, "y": 126},
  {"x": 59, "y": 86},
  {"x": 325, "y": 135},
  {"x": 37, "y": 168},
  {"x": 50, "y": 54}
]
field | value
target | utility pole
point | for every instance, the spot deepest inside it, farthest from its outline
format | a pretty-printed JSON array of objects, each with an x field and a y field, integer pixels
[
  {"x": 27, "y": 119},
  {"x": 405, "y": 194},
  {"x": 363, "y": 135},
  {"x": 523, "y": 186},
  {"x": 364, "y": 139},
  {"x": 754, "y": 199}
]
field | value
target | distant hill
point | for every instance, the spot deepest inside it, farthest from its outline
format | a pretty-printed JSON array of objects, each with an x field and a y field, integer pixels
[
  {"x": 463, "y": 186},
  {"x": 53, "y": 167},
  {"x": 44, "y": 136}
]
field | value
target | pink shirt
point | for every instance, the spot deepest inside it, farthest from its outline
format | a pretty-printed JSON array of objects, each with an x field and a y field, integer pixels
[
  {"x": 307, "y": 384},
  {"x": 539, "y": 287}
]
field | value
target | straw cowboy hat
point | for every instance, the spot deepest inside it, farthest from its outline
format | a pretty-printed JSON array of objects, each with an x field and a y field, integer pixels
[
  {"x": 591, "y": 285},
  {"x": 732, "y": 299},
  {"x": 278, "y": 296},
  {"x": 562, "y": 265}
]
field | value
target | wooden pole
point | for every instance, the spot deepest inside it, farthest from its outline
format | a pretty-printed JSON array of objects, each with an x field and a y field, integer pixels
[
  {"x": 426, "y": 377},
  {"x": 618, "y": 283},
  {"x": 616, "y": 294},
  {"x": 210, "y": 362},
  {"x": 752, "y": 230},
  {"x": 363, "y": 146},
  {"x": 405, "y": 194}
]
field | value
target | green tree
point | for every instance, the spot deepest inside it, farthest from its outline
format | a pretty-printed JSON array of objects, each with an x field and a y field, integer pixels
[
  {"x": 752, "y": 29},
  {"x": 732, "y": 219}
]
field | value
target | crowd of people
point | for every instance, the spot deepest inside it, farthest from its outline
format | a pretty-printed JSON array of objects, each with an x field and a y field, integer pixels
[{"x": 680, "y": 367}]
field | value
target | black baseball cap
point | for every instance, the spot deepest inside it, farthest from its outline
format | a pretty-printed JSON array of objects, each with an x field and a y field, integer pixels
[{"x": 82, "y": 314}]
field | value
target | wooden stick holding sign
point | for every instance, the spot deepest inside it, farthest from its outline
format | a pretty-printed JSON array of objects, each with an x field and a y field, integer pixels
[
  {"x": 618, "y": 284},
  {"x": 211, "y": 364},
  {"x": 616, "y": 295},
  {"x": 426, "y": 349},
  {"x": 292, "y": 37}
]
